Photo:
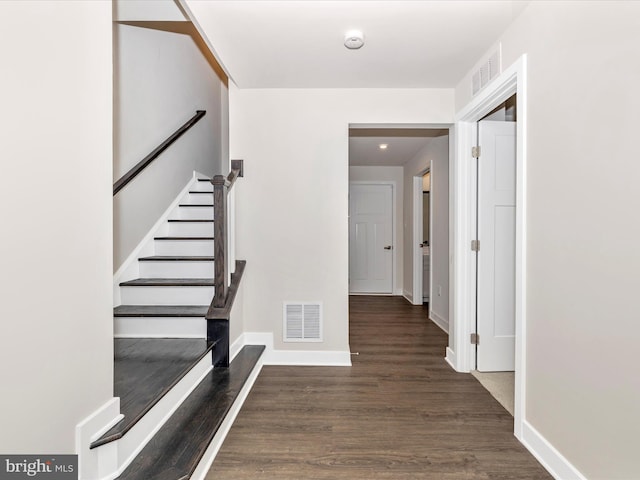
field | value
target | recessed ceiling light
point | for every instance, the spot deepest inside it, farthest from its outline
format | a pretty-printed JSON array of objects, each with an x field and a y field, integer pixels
[
  {"x": 353, "y": 39},
  {"x": 383, "y": 146}
]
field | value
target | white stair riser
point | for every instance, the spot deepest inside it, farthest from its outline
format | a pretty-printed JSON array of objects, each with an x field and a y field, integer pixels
[
  {"x": 188, "y": 229},
  {"x": 160, "y": 327},
  {"x": 202, "y": 187},
  {"x": 184, "y": 247},
  {"x": 176, "y": 269},
  {"x": 194, "y": 213},
  {"x": 198, "y": 199},
  {"x": 143, "y": 295}
]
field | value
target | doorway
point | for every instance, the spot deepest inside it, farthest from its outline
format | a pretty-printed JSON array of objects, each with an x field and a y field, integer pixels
[
  {"x": 495, "y": 253},
  {"x": 461, "y": 351}
]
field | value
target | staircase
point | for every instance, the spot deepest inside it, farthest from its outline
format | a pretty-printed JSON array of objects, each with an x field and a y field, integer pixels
[{"x": 173, "y": 401}]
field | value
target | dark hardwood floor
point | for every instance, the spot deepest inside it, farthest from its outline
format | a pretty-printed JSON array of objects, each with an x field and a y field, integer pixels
[{"x": 400, "y": 412}]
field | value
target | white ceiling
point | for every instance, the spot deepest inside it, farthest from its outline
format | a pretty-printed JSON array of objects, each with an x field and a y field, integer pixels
[
  {"x": 403, "y": 145},
  {"x": 299, "y": 43}
]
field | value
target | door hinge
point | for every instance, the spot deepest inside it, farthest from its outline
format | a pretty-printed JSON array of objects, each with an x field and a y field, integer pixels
[
  {"x": 475, "y": 339},
  {"x": 475, "y": 245},
  {"x": 475, "y": 152}
]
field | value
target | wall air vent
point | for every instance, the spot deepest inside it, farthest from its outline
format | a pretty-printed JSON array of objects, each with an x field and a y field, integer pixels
[
  {"x": 487, "y": 71},
  {"x": 302, "y": 322}
]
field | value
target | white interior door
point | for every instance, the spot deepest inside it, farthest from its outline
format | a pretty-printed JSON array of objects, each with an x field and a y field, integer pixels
[
  {"x": 370, "y": 239},
  {"x": 497, "y": 235}
]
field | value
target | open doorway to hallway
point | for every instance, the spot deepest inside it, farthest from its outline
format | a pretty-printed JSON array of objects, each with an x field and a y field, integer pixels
[{"x": 394, "y": 159}]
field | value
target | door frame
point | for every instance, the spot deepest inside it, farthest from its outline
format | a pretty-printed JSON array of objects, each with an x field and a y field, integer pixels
[
  {"x": 461, "y": 353},
  {"x": 418, "y": 216},
  {"x": 394, "y": 243}
]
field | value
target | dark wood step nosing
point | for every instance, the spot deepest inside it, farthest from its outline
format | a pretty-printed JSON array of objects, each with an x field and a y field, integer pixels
[
  {"x": 176, "y": 258},
  {"x": 131, "y": 423},
  {"x": 161, "y": 311},
  {"x": 169, "y": 282},
  {"x": 209, "y": 393},
  {"x": 189, "y": 205},
  {"x": 180, "y": 220},
  {"x": 197, "y": 192},
  {"x": 183, "y": 238}
]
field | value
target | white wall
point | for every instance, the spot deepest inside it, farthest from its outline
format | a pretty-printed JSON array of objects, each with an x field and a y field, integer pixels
[
  {"x": 436, "y": 150},
  {"x": 161, "y": 79},
  {"x": 582, "y": 389},
  {"x": 389, "y": 174},
  {"x": 292, "y": 223},
  {"x": 56, "y": 342}
]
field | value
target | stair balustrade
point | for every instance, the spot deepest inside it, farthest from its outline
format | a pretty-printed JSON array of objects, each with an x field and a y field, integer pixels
[{"x": 225, "y": 285}]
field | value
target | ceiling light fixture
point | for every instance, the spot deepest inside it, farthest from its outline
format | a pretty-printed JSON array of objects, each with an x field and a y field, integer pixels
[
  {"x": 383, "y": 146},
  {"x": 353, "y": 39}
]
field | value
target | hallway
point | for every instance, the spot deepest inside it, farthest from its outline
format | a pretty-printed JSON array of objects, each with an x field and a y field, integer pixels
[{"x": 400, "y": 412}]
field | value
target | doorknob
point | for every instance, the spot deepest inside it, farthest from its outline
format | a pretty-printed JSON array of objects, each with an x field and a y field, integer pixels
[{"x": 388, "y": 247}]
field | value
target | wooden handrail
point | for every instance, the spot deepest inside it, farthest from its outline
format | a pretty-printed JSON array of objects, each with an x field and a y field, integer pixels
[
  {"x": 146, "y": 161},
  {"x": 221, "y": 187}
]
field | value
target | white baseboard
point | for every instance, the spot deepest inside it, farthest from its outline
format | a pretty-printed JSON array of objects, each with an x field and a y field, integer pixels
[
  {"x": 397, "y": 292},
  {"x": 129, "y": 269},
  {"x": 408, "y": 296},
  {"x": 309, "y": 357},
  {"x": 550, "y": 458},
  {"x": 331, "y": 358},
  {"x": 439, "y": 321},
  {"x": 88, "y": 430},
  {"x": 451, "y": 359}
]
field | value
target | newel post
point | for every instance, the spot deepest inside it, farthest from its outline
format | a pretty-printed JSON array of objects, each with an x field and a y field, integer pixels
[{"x": 220, "y": 187}]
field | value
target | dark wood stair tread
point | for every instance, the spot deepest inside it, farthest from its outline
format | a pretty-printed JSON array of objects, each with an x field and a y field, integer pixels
[
  {"x": 169, "y": 282},
  {"x": 174, "y": 452},
  {"x": 160, "y": 311},
  {"x": 191, "y": 192},
  {"x": 195, "y": 205},
  {"x": 145, "y": 369},
  {"x": 174, "y": 220},
  {"x": 175, "y": 258},
  {"x": 183, "y": 238}
]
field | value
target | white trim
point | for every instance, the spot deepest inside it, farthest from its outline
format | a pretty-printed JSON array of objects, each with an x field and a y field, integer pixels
[
  {"x": 130, "y": 267},
  {"x": 451, "y": 358},
  {"x": 431, "y": 235},
  {"x": 438, "y": 320},
  {"x": 397, "y": 292},
  {"x": 332, "y": 358},
  {"x": 90, "y": 428},
  {"x": 309, "y": 357},
  {"x": 367, "y": 294},
  {"x": 512, "y": 80},
  {"x": 408, "y": 296},
  {"x": 416, "y": 251},
  {"x": 550, "y": 458},
  {"x": 394, "y": 227},
  {"x": 216, "y": 443}
]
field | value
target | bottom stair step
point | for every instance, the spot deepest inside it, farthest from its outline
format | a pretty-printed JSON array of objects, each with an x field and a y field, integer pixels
[
  {"x": 174, "y": 452},
  {"x": 145, "y": 370}
]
